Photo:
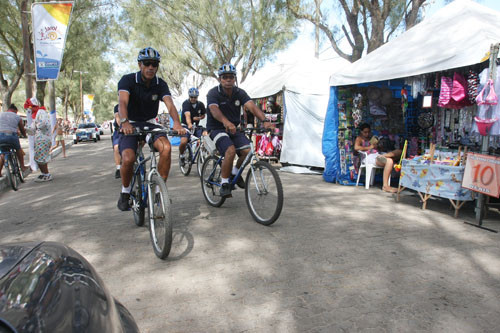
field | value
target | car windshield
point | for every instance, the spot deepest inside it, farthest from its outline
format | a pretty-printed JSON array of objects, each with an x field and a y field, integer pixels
[{"x": 90, "y": 125}]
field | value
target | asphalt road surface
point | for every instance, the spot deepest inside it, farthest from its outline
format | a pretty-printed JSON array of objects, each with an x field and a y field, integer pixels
[{"x": 338, "y": 259}]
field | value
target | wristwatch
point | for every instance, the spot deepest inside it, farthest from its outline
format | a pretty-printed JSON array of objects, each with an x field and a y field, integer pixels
[{"x": 123, "y": 120}]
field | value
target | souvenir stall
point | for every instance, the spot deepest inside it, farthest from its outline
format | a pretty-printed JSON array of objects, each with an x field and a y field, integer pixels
[
  {"x": 435, "y": 83},
  {"x": 268, "y": 146},
  {"x": 377, "y": 104}
]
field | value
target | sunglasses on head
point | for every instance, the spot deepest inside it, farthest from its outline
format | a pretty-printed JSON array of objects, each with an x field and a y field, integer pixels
[{"x": 150, "y": 63}]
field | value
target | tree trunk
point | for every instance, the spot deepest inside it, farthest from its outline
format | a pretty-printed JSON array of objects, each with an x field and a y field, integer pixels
[
  {"x": 26, "y": 48},
  {"x": 7, "y": 90},
  {"x": 40, "y": 91},
  {"x": 412, "y": 16},
  {"x": 66, "y": 93}
]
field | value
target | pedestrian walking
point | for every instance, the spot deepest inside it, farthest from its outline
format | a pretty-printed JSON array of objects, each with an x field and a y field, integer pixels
[{"x": 59, "y": 130}]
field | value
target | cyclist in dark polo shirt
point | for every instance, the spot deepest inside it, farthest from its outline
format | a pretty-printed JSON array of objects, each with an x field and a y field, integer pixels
[
  {"x": 139, "y": 96},
  {"x": 192, "y": 112},
  {"x": 225, "y": 102}
]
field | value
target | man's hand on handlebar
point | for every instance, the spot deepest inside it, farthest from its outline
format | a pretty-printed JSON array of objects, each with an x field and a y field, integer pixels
[
  {"x": 179, "y": 129},
  {"x": 268, "y": 125},
  {"x": 230, "y": 128},
  {"x": 127, "y": 128}
]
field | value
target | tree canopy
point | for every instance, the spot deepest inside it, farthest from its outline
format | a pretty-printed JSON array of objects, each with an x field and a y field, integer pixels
[
  {"x": 202, "y": 35},
  {"x": 369, "y": 23}
]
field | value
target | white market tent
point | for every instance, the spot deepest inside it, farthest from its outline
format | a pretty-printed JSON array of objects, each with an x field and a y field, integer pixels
[
  {"x": 305, "y": 90},
  {"x": 458, "y": 35}
]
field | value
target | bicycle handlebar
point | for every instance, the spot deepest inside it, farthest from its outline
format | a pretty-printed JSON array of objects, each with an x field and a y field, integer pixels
[
  {"x": 146, "y": 130},
  {"x": 258, "y": 131}
]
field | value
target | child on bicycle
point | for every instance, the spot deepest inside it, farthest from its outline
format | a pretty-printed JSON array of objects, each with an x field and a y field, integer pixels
[{"x": 224, "y": 102}]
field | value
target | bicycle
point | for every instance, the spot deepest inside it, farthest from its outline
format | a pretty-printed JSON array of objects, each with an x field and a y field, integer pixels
[
  {"x": 12, "y": 166},
  {"x": 195, "y": 152},
  {"x": 150, "y": 191},
  {"x": 263, "y": 188}
]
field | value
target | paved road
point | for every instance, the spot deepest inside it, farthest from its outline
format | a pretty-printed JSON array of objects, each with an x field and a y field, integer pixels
[{"x": 338, "y": 259}]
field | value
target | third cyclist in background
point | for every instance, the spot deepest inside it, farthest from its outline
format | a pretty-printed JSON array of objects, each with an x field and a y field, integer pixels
[
  {"x": 225, "y": 102},
  {"x": 192, "y": 112}
]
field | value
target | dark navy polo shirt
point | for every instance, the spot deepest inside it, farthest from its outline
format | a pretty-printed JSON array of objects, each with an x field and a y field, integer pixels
[
  {"x": 143, "y": 101},
  {"x": 229, "y": 106},
  {"x": 196, "y": 111}
]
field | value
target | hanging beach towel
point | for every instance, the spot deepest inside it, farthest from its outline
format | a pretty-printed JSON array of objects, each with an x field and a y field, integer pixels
[
  {"x": 445, "y": 91},
  {"x": 459, "y": 89},
  {"x": 472, "y": 86},
  {"x": 262, "y": 145}
]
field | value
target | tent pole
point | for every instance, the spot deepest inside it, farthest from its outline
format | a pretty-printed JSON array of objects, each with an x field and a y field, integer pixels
[{"x": 492, "y": 71}]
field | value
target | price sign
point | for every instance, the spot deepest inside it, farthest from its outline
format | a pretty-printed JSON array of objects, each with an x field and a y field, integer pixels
[{"x": 482, "y": 174}]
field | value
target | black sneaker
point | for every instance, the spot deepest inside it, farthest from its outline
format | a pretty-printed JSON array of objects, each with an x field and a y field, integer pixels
[
  {"x": 240, "y": 182},
  {"x": 117, "y": 174},
  {"x": 123, "y": 202},
  {"x": 182, "y": 159},
  {"x": 225, "y": 190}
]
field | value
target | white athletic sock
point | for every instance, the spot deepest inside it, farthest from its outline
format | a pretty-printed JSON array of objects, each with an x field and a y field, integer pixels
[
  {"x": 126, "y": 189},
  {"x": 235, "y": 171},
  {"x": 224, "y": 180},
  {"x": 118, "y": 167}
]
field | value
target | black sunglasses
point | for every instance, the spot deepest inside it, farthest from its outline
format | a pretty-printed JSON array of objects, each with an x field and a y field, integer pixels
[{"x": 151, "y": 63}]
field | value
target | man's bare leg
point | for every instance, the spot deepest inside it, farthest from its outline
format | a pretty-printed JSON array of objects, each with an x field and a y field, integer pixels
[{"x": 162, "y": 145}]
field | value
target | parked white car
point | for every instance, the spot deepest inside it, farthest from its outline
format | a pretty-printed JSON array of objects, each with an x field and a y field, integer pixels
[{"x": 86, "y": 132}]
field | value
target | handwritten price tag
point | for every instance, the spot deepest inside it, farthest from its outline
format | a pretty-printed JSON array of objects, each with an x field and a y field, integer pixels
[{"x": 482, "y": 174}]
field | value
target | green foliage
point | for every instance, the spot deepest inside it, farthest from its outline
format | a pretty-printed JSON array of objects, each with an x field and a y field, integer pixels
[
  {"x": 91, "y": 31},
  {"x": 11, "y": 47},
  {"x": 201, "y": 35},
  {"x": 87, "y": 51}
]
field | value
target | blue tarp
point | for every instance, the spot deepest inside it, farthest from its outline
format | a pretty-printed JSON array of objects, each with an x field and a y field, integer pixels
[{"x": 330, "y": 139}]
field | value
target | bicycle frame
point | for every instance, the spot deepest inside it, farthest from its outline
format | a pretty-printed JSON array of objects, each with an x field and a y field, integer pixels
[
  {"x": 140, "y": 171},
  {"x": 249, "y": 159}
]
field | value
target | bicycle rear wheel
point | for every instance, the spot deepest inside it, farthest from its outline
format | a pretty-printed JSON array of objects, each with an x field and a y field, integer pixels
[
  {"x": 11, "y": 172},
  {"x": 186, "y": 160},
  {"x": 264, "y": 193},
  {"x": 20, "y": 173},
  {"x": 210, "y": 177},
  {"x": 138, "y": 204},
  {"x": 160, "y": 217},
  {"x": 202, "y": 156}
]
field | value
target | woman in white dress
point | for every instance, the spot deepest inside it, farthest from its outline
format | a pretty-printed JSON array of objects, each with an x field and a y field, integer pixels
[{"x": 40, "y": 128}]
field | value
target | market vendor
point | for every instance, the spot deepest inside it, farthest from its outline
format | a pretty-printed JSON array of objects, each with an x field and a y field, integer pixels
[{"x": 367, "y": 143}]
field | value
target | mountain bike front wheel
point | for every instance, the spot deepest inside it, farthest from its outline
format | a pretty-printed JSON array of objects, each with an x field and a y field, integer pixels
[
  {"x": 186, "y": 161},
  {"x": 160, "y": 217},
  {"x": 202, "y": 156},
  {"x": 138, "y": 205},
  {"x": 210, "y": 181},
  {"x": 263, "y": 193}
]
